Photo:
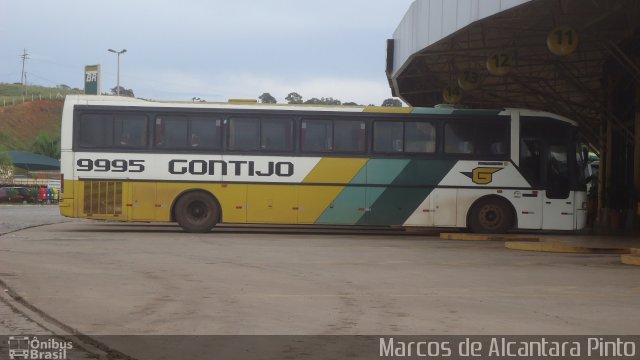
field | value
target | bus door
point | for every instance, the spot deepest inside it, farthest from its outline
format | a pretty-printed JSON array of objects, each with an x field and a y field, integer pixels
[
  {"x": 557, "y": 207},
  {"x": 543, "y": 162},
  {"x": 532, "y": 166}
]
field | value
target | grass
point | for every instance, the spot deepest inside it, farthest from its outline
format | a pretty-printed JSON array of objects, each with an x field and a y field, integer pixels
[{"x": 11, "y": 94}]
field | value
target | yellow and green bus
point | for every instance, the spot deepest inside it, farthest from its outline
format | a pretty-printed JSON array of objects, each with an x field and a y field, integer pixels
[{"x": 202, "y": 164}]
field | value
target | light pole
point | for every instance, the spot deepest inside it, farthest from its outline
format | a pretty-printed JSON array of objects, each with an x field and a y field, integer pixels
[{"x": 118, "y": 53}]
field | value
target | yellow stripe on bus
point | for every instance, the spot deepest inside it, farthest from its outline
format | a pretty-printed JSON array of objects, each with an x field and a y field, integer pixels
[
  {"x": 387, "y": 109},
  {"x": 335, "y": 170},
  {"x": 313, "y": 200}
]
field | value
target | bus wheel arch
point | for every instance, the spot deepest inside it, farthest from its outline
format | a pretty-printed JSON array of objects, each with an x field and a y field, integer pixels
[
  {"x": 196, "y": 211},
  {"x": 491, "y": 214}
]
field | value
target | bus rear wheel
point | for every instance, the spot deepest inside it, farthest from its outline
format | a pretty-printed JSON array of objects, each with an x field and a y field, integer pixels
[
  {"x": 197, "y": 212},
  {"x": 490, "y": 215}
]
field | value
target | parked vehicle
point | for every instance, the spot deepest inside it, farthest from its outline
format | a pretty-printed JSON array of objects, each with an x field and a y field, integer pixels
[{"x": 16, "y": 195}]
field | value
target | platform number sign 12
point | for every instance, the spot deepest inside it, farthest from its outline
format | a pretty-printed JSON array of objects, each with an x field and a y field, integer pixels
[
  {"x": 562, "y": 41},
  {"x": 500, "y": 63}
]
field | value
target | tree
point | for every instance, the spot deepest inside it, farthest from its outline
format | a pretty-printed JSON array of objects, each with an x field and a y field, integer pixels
[
  {"x": 46, "y": 145},
  {"x": 266, "y": 98},
  {"x": 391, "y": 102},
  {"x": 294, "y": 98},
  {"x": 350, "y": 103},
  {"x": 330, "y": 101},
  {"x": 313, "y": 101},
  {"x": 123, "y": 92},
  {"x": 6, "y": 167}
]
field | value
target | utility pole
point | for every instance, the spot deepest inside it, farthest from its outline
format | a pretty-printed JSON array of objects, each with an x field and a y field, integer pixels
[{"x": 23, "y": 79}]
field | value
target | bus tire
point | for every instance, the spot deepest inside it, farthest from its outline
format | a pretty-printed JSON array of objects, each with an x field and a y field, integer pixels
[
  {"x": 490, "y": 215},
  {"x": 197, "y": 212}
]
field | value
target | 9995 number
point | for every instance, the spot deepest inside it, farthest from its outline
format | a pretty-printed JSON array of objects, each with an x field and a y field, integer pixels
[{"x": 104, "y": 165}]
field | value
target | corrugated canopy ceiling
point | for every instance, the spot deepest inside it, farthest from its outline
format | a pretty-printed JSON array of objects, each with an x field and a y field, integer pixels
[{"x": 570, "y": 85}]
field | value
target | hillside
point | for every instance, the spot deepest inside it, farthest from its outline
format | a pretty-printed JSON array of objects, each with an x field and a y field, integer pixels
[
  {"x": 12, "y": 93},
  {"x": 21, "y": 123}
]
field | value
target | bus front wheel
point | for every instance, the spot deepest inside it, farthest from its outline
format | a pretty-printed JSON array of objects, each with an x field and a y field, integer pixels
[
  {"x": 491, "y": 215},
  {"x": 197, "y": 212}
]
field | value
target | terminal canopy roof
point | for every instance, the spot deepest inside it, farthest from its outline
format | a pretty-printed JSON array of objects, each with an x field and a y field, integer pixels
[
  {"x": 33, "y": 162},
  {"x": 438, "y": 41}
]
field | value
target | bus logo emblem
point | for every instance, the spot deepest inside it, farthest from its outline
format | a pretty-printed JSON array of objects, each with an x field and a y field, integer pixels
[{"x": 481, "y": 175}]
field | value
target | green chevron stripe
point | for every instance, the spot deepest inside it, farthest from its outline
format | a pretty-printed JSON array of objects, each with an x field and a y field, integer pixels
[
  {"x": 395, "y": 204},
  {"x": 349, "y": 206}
]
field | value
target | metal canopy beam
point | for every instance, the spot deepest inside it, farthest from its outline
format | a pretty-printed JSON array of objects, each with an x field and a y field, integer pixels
[{"x": 569, "y": 85}]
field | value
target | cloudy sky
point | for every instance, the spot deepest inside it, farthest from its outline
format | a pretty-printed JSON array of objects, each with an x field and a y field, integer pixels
[{"x": 213, "y": 49}]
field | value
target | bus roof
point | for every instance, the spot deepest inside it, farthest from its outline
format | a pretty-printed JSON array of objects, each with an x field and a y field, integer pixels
[{"x": 107, "y": 100}]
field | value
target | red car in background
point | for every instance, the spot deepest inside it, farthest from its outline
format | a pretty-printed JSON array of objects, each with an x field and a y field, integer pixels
[{"x": 16, "y": 195}]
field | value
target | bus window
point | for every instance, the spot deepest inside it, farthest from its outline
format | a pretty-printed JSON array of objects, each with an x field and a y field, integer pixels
[
  {"x": 387, "y": 137},
  {"x": 277, "y": 135},
  {"x": 530, "y": 157},
  {"x": 349, "y": 136},
  {"x": 244, "y": 134},
  {"x": 458, "y": 138},
  {"x": 491, "y": 137},
  {"x": 316, "y": 135},
  {"x": 130, "y": 131},
  {"x": 95, "y": 130},
  {"x": 171, "y": 132},
  {"x": 557, "y": 172},
  {"x": 419, "y": 137},
  {"x": 204, "y": 133},
  {"x": 480, "y": 137}
]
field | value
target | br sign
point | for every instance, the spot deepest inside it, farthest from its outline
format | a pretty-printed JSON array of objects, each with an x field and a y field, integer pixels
[{"x": 92, "y": 79}]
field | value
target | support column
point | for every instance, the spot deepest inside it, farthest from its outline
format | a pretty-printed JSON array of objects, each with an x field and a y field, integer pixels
[
  {"x": 636, "y": 160},
  {"x": 602, "y": 214}
]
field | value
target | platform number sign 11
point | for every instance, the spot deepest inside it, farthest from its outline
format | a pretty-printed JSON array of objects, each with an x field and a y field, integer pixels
[{"x": 562, "y": 41}]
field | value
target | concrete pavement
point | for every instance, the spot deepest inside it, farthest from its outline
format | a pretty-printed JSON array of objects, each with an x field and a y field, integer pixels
[{"x": 107, "y": 278}]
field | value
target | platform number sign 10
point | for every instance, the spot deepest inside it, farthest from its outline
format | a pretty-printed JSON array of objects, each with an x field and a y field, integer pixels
[
  {"x": 500, "y": 63},
  {"x": 562, "y": 41}
]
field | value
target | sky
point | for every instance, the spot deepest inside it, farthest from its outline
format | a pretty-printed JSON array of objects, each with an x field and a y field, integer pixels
[{"x": 215, "y": 50}]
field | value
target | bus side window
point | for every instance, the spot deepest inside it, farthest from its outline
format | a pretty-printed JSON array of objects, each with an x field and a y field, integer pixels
[
  {"x": 244, "y": 134},
  {"x": 95, "y": 130},
  {"x": 277, "y": 135},
  {"x": 316, "y": 135},
  {"x": 205, "y": 133},
  {"x": 491, "y": 137},
  {"x": 349, "y": 136},
  {"x": 419, "y": 137},
  {"x": 171, "y": 132},
  {"x": 387, "y": 137},
  {"x": 458, "y": 138},
  {"x": 130, "y": 131}
]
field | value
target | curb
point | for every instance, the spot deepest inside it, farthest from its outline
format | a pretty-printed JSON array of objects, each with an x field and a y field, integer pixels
[
  {"x": 559, "y": 248},
  {"x": 486, "y": 237},
  {"x": 631, "y": 259}
]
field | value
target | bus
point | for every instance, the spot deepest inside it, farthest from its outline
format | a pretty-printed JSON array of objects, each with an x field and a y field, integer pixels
[{"x": 203, "y": 164}]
